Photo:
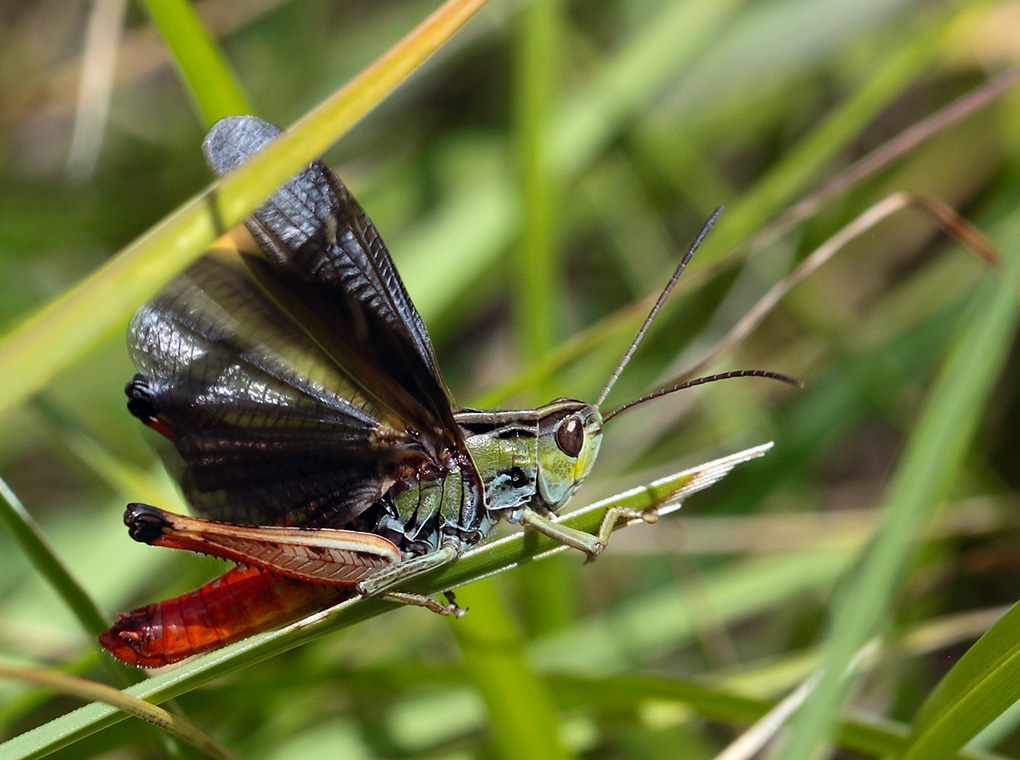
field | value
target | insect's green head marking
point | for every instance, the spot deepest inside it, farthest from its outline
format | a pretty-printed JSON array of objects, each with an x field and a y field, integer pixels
[{"x": 569, "y": 435}]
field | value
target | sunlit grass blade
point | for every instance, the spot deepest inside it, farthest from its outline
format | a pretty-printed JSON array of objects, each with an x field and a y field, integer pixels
[
  {"x": 93, "y": 691},
  {"x": 98, "y": 62},
  {"x": 537, "y": 274},
  {"x": 764, "y": 730},
  {"x": 928, "y": 466},
  {"x": 70, "y": 325},
  {"x": 211, "y": 81},
  {"x": 478, "y": 563},
  {"x": 631, "y": 79},
  {"x": 979, "y": 688}
]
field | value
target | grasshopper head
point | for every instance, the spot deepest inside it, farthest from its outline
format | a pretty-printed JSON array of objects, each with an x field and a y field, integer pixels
[
  {"x": 569, "y": 432},
  {"x": 569, "y": 436}
]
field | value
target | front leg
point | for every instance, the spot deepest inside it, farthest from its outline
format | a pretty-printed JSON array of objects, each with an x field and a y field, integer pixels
[{"x": 590, "y": 544}]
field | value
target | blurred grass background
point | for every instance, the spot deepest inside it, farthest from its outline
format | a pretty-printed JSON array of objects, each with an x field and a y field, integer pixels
[{"x": 542, "y": 172}]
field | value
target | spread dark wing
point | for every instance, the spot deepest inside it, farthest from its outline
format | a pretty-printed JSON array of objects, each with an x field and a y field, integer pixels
[
  {"x": 263, "y": 428},
  {"x": 327, "y": 266},
  {"x": 295, "y": 388}
]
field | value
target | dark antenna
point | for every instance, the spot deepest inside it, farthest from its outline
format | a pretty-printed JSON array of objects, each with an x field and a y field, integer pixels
[
  {"x": 656, "y": 308},
  {"x": 701, "y": 381},
  {"x": 648, "y": 323}
]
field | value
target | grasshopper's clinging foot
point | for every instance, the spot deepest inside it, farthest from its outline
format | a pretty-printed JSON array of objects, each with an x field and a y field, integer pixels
[{"x": 421, "y": 600}]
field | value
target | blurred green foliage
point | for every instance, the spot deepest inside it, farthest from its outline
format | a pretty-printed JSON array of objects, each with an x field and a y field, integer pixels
[{"x": 541, "y": 173}]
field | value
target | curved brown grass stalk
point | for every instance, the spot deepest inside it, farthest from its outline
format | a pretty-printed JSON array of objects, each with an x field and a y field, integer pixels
[{"x": 944, "y": 216}]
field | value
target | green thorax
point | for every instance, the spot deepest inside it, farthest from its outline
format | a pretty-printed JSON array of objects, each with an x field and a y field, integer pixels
[{"x": 530, "y": 458}]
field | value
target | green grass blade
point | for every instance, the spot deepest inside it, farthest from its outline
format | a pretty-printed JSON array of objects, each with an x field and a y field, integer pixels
[
  {"x": 494, "y": 662},
  {"x": 29, "y": 536},
  {"x": 536, "y": 270},
  {"x": 632, "y": 78},
  {"x": 589, "y": 120},
  {"x": 474, "y": 565},
  {"x": 211, "y": 81},
  {"x": 546, "y": 593},
  {"x": 491, "y": 645},
  {"x": 69, "y": 326},
  {"x": 928, "y": 466},
  {"x": 871, "y": 738},
  {"x": 93, "y": 691},
  {"x": 979, "y": 688},
  {"x": 734, "y": 593},
  {"x": 795, "y": 171},
  {"x": 624, "y": 86}
]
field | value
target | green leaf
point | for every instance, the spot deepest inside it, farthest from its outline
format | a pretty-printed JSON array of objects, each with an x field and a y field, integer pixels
[
  {"x": 979, "y": 688},
  {"x": 929, "y": 465}
]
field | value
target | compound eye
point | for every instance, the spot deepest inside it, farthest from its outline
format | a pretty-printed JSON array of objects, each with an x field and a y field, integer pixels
[{"x": 570, "y": 436}]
